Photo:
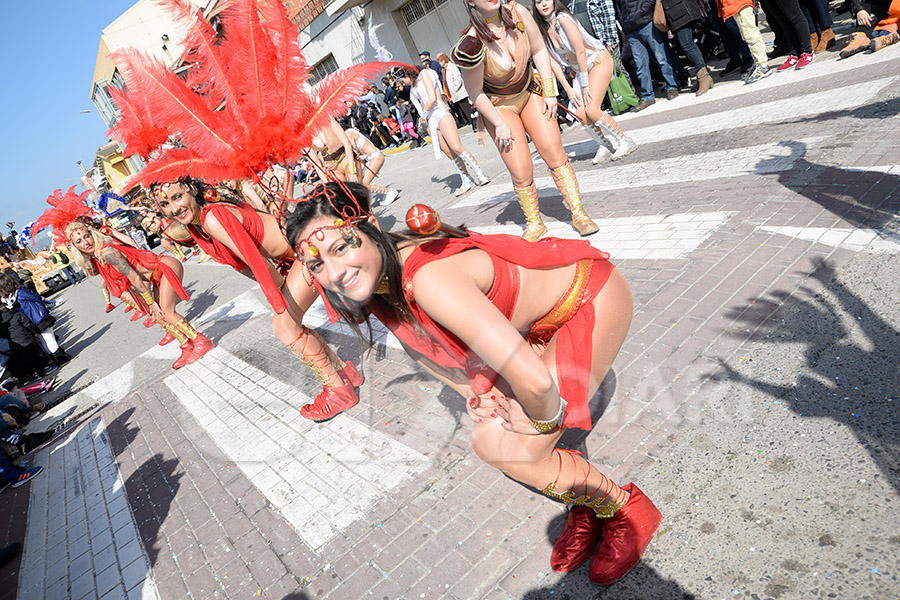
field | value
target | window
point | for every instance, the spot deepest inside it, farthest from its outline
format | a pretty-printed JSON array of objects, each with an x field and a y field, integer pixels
[
  {"x": 104, "y": 103},
  {"x": 322, "y": 68},
  {"x": 417, "y": 9}
]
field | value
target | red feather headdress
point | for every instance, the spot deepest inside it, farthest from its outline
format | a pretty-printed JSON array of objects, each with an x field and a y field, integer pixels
[
  {"x": 65, "y": 208},
  {"x": 244, "y": 103}
]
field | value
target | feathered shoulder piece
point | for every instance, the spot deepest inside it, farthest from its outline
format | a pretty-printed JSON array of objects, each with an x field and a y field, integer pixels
[
  {"x": 64, "y": 208},
  {"x": 243, "y": 103}
]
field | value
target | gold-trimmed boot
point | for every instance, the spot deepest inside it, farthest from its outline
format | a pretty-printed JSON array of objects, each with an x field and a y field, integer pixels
[
  {"x": 567, "y": 184},
  {"x": 528, "y": 200}
]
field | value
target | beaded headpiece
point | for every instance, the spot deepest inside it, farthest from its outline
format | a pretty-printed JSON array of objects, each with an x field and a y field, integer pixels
[{"x": 350, "y": 216}]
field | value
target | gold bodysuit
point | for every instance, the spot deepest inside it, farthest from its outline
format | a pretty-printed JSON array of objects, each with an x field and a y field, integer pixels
[{"x": 507, "y": 87}]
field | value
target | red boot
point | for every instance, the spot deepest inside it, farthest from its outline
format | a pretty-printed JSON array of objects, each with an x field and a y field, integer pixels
[
  {"x": 351, "y": 375},
  {"x": 166, "y": 339},
  {"x": 110, "y": 307},
  {"x": 187, "y": 349},
  {"x": 577, "y": 541},
  {"x": 331, "y": 402},
  {"x": 150, "y": 322},
  {"x": 202, "y": 345},
  {"x": 625, "y": 537},
  {"x": 127, "y": 308},
  {"x": 138, "y": 315}
]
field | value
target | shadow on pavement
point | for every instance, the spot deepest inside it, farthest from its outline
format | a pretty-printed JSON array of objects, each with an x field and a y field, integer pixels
[
  {"x": 873, "y": 110},
  {"x": 296, "y": 596},
  {"x": 862, "y": 198},
  {"x": 200, "y": 303},
  {"x": 850, "y": 360},
  {"x": 151, "y": 490},
  {"x": 79, "y": 342},
  {"x": 642, "y": 582}
]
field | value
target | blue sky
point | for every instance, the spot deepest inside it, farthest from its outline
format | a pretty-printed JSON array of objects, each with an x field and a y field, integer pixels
[{"x": 50, "y": 50}]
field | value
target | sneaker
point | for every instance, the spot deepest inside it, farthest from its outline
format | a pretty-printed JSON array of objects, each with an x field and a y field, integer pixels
[
  {"x": 32, "y": 441},
  {"x": 671, "y": 94},
  {"x": 884, "y": 41},
  {"x": 389, "y": 197},
  {"x": 26, "y": 476},
  {"x": 748, "y": 74},
  {"x": 805, "y": 60},
  {"x": 789, "y": 63},
  {"x": 859, "y": 42},
  {"x": 644, "y": 104},
  {"x": 759, "y": 73}
]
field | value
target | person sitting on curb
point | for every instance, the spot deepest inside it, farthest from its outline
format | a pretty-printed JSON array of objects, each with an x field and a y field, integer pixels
[
  {"x": 32, "y": 306},
  {"x": 23, "y": 442},
  {"x": 876, "y": 28},
  {"x": 14, "y": 402}
]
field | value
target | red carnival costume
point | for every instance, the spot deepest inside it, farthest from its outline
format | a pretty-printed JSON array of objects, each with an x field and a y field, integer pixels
[
  {"x": 626, "y": 527},
  {"x": 573, "y": 328}
]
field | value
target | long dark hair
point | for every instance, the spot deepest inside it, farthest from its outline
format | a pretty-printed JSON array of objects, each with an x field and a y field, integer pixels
[
  {"x": 482, "y": 31},
  {"x": 332, "y": 200},
  {"x": 543, "y": 24}
]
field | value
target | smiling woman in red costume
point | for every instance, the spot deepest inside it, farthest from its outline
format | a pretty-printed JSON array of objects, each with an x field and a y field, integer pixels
[
  {"x": 155, "y": 279},
  {"x": 541, "y": 326},
  {"x": 493, "y": 56},
  {"x": 255, "y": 110},
  {"x": 251, "y": 242}
]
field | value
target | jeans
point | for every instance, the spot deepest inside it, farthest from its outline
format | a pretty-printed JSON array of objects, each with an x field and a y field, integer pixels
[
  {"x": 685, "y": 37},
  {"x": 644, "y": 41}
]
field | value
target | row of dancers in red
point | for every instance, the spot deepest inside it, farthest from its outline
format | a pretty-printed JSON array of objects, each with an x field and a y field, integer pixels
[{"x": 543, "y": 321}]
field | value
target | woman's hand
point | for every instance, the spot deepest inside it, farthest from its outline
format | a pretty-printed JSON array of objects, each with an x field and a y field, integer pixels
[
  {"x": 503, "y": 136},
  {"x": 586, "y": 95},
  {"x": 550, "y": 107},
  {"x": 157, "y": 313},
  {"x": 515, "y": 418}
]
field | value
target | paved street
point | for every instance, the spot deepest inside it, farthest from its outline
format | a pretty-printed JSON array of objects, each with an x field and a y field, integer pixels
[{"x": 753, "y": 400}]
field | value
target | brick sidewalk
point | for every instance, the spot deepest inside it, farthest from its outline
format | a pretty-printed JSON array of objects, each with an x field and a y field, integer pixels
[{"x": 233, "y": 495}]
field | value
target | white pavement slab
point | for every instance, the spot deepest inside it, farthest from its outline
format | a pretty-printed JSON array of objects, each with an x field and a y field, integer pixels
[
  {"x": 321, "y": 476},
  {"x": 82, "y": 541},
  {"x": 648, "y": 237},
  {"x": 760, "y": 159},
  {"x": 868, "y": 240}
]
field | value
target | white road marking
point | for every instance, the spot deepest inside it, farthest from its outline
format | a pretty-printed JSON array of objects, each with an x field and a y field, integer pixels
[
  {"x": 322, "y": 477},
  {"x": 647, "y": 237},
  {"x": 869, "y": 240},
  {"x": 761, "y": 159}
]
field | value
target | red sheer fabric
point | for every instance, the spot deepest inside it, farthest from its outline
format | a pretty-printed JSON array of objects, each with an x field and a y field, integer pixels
[
  {"x": 248, "y": 237},
  {"x": 118, "y": 283},
  {"x": 573, "y": 339}
]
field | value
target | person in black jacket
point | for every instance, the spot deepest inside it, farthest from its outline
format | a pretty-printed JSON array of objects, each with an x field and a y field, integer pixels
[
  {"x": 27, "y": 359},
  {"x": 681, "y": 16},
  {"x": 636, "y": 18}
]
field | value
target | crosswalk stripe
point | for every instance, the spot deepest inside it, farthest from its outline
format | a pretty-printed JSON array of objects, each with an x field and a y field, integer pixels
[
  {"x": 871, "y": 240},
  {"x": 760, "y": 159},
  {"x": 648, "y": 237},
  {"x": 321, "y": 476}
]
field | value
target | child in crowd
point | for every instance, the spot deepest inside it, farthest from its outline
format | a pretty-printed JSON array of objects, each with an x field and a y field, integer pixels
[
  {"x": 407, "y": 126},
  {"x": 32, "y": 306}
]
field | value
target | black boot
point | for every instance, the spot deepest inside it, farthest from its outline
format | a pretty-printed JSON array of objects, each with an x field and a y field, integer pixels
[{"x": 60, "y": 357}]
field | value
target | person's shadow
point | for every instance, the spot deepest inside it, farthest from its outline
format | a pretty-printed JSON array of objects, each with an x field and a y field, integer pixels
[
  {"x": 866, "y": 199},
  {"x": 851, "y": 371}
]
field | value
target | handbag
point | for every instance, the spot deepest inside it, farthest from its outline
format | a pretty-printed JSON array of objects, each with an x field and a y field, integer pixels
[
  {"x": 659, "y": 17},
  {"x": 621, "y": 96}
]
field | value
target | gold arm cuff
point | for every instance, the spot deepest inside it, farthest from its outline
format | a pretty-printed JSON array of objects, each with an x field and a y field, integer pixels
[
  {"x": 554, "y": 423},
  {"x": 549, "y": 87}
]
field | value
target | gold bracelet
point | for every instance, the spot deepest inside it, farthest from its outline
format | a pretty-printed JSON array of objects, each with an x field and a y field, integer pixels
[
  {"x": 554, "y": 423},
  {"x": 548, "y": 87},
  {"x": 148, "y": 297}
]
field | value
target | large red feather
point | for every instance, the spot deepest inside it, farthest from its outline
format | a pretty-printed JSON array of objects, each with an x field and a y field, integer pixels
[
  {"x": 244, "y": 104},
  {"x": 64, "y": 208}
]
